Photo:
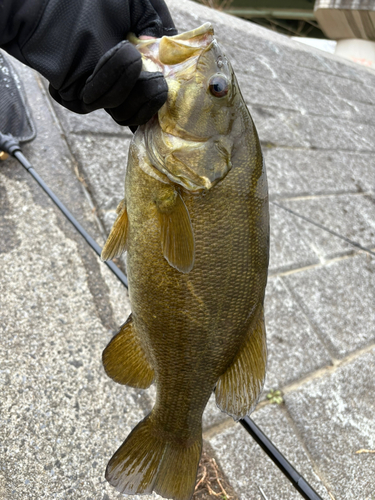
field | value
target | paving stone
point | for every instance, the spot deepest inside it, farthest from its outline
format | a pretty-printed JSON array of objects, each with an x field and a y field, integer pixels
[
  {"x": 296, "y": 243},
  {"x": 325, "y": 132},
  {"x": 351, "y": 216},
  {"x": 61, "y": 418},
  {"x": 361, "y": 111},
  {"x": 288, "y": 248},
  {"x": 315, "y": 102},
  {"x": 338, "y": 299},
  {"x": 275, "y": 128},
  {"x": 335, "y": 86},
  {"x": 248, "y": 467},
  {"x": 50, "y": 156},
  {"x": 284, "y": 172},
  {"x": 103, "y": 173},
  {"x": 300, "y": 172},
  {"x": 294, "y": 349},
  {"x": 263, "y": 92},
  {"x": 98, "y": 122},
  {"x": 335, "y": 418}
]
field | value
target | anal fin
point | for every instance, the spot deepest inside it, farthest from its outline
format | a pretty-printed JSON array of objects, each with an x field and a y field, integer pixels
[
  {"x": 124, "y": 359},
  {"x": 239, "y": 388},
  {"x": 116, "y": 242}
]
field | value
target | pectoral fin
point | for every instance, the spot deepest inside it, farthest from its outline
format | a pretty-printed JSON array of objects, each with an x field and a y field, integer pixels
[
  {"x": 238, "y": 389},
  {"x": 125, "y": 361},
  {"x": 116, "y": 242},
  {"x": 177, "y": 237}
]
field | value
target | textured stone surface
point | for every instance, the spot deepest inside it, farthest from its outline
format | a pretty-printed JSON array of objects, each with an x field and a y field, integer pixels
[
  {"x": 351, "y": 216},
  {"x": 308, "y": 172},
  {"x": 339, "y": 301},
  {"x": 103, "y": 173},
  {"x": 296, "y": 243},
  {"x": 61, "y": 418},
  {"x": 289, "y": 248},
  {"x": 335, "y": 418},
  {"x": 247, "y": 466},
  {"x": 97, "y": 122},
  {"x": 294, "y": 348}
]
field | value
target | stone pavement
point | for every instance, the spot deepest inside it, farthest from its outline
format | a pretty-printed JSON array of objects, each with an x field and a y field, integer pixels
[{"x": 61, "y": 418}]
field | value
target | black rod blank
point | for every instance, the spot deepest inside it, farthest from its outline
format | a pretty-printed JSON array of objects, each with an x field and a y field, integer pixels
[
  {"x": 282, "y": 463},
  {"x": 10, "y": 145},
  {"x": 97, "y": 249}
]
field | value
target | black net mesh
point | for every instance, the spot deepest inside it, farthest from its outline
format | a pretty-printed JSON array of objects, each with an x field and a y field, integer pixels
[{"x": 15, "y": 116}]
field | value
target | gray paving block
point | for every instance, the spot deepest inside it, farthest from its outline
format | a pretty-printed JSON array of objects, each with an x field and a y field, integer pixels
[
  {"x": 325, "y": 132},
  {"x": 362, "y": 112},
  {"x": 248, "y": 467},
  {"x": 347, "y": 88},
  {"x": 294, "y": 348},
  {"x": 98, "y": 122},
  {"x": 50, "y": 156},
  {"x": 331, "y": 66},
  {"x": 338, "y": 299},
  {"x": 351, "y": 216},
  {"x": 61, "y": 418},
  {"x": 312, "y": 101},
  {"x": 335, "y": 418},
  {"x": 288, "y": 248},
  {"x": 275, "y": 127},
  {"x": 103, "y": 165},
  {"x": 297, "y": 172},
  {"x": 296, "y": 243},
  {"x": 285, "y": 177},
  {"x": 264, "y": 92}
]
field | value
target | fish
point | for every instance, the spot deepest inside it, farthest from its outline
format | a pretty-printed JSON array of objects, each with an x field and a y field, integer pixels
[{"x": 195, "y": 224}]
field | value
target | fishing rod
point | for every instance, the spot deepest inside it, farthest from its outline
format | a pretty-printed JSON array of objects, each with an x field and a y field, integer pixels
[{"x": 10, "y": 146}]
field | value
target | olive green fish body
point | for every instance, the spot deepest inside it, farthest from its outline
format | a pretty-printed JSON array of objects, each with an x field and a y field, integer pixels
[{"x": 197, "y": 243}]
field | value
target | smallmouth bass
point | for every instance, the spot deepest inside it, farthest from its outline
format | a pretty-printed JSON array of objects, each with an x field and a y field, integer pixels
[{"x": 195, "y": 224}]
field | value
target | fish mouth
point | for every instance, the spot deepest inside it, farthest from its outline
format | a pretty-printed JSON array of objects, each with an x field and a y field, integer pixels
[{"x": 173, "y": 54}]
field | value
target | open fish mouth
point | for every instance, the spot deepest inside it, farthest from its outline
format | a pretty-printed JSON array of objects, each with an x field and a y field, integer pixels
[{"x": 169, "y": 55}]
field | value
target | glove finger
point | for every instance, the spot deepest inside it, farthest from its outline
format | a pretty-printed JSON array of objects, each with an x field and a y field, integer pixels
[
  {"x": 146, "y": 98},
  {"x": 169, "y": 29},
  {"x": 145, "y": 20},
  {"x": 76, "y": 105},
  {"x": 113, "y": 78}
]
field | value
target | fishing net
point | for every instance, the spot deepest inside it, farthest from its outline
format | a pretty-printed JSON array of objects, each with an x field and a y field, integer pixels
[{"x": 15, "y": 116}]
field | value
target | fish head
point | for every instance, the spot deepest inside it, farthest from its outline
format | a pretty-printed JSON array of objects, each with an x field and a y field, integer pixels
[{"x": 191, "y": 140}]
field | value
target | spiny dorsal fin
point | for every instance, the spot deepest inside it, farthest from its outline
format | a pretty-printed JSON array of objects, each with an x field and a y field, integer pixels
[
  {"x": 177, "y": 237},
  {"x": 116, "y": 242},
  {"x": 124, "y": 359}
]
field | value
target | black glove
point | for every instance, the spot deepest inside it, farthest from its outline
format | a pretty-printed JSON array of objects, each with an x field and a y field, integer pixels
[{"x": 80, "y": 47}]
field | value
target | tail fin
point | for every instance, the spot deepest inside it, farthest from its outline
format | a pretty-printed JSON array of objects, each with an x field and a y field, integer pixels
[{"x": 146, "y": 462}]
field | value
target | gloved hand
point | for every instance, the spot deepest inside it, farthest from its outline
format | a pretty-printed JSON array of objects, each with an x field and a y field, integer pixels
[{"x": 81, "y": 48}]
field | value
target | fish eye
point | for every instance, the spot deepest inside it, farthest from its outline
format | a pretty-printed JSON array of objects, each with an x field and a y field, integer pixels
[{"x": 218, "y": 86}]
